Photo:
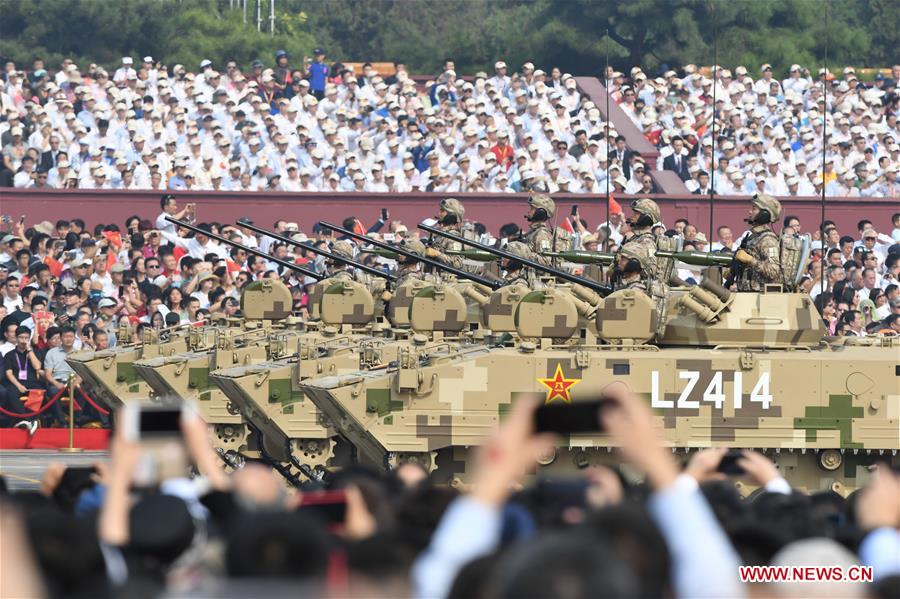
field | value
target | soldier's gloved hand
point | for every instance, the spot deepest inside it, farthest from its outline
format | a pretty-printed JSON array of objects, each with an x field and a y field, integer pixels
[
  {"x": 386, "y": 296},
  {"x": 743, "y": 257},
  {"x": 432, "y": 253}
]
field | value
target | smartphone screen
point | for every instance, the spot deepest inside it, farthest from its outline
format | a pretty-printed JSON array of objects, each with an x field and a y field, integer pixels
[
  {"x": 575, "y": 417},
  {"x": 327, "y": 506},
  {"x": 574, "y": 209},
  {"x": 160, "y": 422}
]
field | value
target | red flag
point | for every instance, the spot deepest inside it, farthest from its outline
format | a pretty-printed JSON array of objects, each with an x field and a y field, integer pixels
[
  {"x": 358, "y": 227},
  {"x": 56, "y": 267},
  {"x": 114, "y": 238},
  {"x": 567, "y": 226},
  {"x": 614, "y": 206}
]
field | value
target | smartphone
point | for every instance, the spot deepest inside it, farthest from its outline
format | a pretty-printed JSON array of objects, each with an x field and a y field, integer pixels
[
  {"x": 150, "y": 421},
  {"x": 575, "y": 417},
  {"x": 71, "y": 254},
  {"x": 22, "y": 219},
  {"x": 562, "y": 493},
  {"x": 158, "y": 430},
  {"x": 384, "y": 214},
  {"x": 327, "y": 506},
  {"x": 574, "y": 209},
  {"x": 729, "y": 463}
]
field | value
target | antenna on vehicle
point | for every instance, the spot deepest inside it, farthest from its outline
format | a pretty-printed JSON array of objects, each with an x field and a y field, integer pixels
[
  {"x": 824, "y": 143},
  {"x": 712, "y": 162},
  {"x": 606, "y": 139}
]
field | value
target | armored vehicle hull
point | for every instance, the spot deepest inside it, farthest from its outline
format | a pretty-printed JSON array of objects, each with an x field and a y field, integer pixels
[
  {"x": 186, "y": 376},
  {"x": 109, "y": 374},
  {"x": 823, "y": 415},
  {"x": 292, "y": 429}
]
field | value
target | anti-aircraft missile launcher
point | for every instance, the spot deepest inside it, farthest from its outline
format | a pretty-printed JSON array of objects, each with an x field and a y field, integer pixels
[{"x": 741, "y": 370}]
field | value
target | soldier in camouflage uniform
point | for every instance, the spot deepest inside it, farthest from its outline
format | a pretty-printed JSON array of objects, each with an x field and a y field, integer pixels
[
  {"x": 450, "y": 218},
  {"x": 539, "y": 237},
  {"x": 642, "y": 242},
  {"x": 408, "y": 268},
  {"x": 339, "y": 270},
  {"x": 515, "y": 272},
  {"x": 631, "y": 263},
  {"x": 758, "y": 260}
]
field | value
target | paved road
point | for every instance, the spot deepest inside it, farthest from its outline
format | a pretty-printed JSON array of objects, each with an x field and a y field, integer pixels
[{"x": 23, "y": 469}]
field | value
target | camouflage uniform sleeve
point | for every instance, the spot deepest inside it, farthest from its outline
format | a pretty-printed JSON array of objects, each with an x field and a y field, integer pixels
[
  {"x": 442, "y": 244},
  {"x": 376, "y": 285},
  {"x": 541, "y": 241},
  {"x": 768, "y": 259},
  {"x": 647, "y": 248}
]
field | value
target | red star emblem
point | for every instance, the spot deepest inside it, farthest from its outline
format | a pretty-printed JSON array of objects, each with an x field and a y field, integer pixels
[{"x": 558, "y": 386}]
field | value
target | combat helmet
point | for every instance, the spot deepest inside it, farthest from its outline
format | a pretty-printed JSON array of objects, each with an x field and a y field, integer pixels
[
  {"x": 632, "y": 255},
  {"x": 540, "y": 201},
  {"x": 646, "y": 207},
  {"x": 454, "y": 207},
  {"x": 342, "y": 248},
  {"x": 517, "y": 248},
  {"x": 414, "y": 246},
  {"x": 764, "y": 201}
]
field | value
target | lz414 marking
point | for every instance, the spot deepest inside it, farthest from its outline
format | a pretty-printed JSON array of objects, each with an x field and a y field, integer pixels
[{"x": 714, "y": 392}]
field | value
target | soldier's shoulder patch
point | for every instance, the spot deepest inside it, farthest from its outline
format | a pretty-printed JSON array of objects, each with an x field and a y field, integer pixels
[
  {"x": 456, "y": 246},
  {"x": 545, "y": 244}
]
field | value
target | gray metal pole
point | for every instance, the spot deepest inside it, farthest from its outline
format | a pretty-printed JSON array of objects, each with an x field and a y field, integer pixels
[
  {"x": 259, "y": 15},
  {"x": 272, "y": 17}
]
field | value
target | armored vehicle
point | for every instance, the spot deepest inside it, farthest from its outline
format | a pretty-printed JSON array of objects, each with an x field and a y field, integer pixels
[
  {"x": 720, "y": 369},
  {"x": 350, "y": 338},
  {"x": 262, "y": 333},
  {"x": 109, "y": 375}
]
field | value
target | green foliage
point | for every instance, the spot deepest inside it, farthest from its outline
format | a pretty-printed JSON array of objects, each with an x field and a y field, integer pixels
[
  {"x": 170, "y": 31},
  {"x": 570, "y": 34}
]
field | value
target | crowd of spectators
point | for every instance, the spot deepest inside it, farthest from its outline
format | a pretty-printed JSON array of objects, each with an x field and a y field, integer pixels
[
  {"x": 109, "y": 531},
  {"x": 324, "y": 127},
  {"x": 318, "y": 127},
  {"x": 786, "y": 137}
]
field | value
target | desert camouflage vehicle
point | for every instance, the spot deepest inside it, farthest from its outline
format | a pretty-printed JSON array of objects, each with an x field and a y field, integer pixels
[
  {"x": 741, "y": 370},
  {"x": 264, "y": 391},
  {"x": 269, "y": 393},
  {"x": 351, "y": 338},
  {"x": 109, "y": 375},
  {"x": 263, "y": 332}
]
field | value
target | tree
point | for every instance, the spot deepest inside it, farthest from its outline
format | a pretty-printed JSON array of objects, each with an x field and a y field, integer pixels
[{"x": 570, "y": 34}]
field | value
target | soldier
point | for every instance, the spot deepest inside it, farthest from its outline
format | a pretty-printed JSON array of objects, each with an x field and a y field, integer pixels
[
  {"x": 642, "y": 242},
  {"x": 450, "y": 218},
  {"x": 408, "y": 268},
  {"x": 339, "y": 270},
  {"x": 630, "y": 264},
  {"x": 517, "y": 273},
  {"x": 758, "y": 260},
  {"x": 539, "y": 237}
]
